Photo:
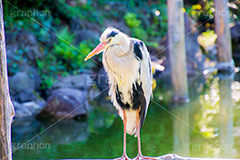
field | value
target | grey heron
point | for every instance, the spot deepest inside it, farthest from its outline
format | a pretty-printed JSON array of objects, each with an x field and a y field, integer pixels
[{"x": 128, "y": 65}]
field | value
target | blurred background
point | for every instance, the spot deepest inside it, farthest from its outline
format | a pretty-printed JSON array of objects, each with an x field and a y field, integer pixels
[{"x": 61, "y": 102}]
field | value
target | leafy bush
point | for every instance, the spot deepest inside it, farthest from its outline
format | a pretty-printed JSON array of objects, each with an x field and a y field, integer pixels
[
  {"x": 50, "y": 68},
  {"x": 63, "y": 55},
  {"x": 71, "y": 56},
  {"x": 134, "y": 24},
  {"x": 140, "y": 33},
  {"x": 64, "y": 58},
  {"x": 131, "y": 20},
  {"x": 204, "y": 11}
]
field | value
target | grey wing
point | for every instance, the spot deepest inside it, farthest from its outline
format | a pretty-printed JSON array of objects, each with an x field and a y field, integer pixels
[{"x": 145, "y": 76}]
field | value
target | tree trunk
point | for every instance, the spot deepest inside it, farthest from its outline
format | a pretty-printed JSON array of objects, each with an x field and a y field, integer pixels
[
  {"x": 176, "y": 43},
  {"x": 6, "y": 107},
  {"x": 222, "y": 29}
]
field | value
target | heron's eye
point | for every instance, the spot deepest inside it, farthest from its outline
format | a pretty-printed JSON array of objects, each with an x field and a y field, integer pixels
[{"x": 109, "y": 40}]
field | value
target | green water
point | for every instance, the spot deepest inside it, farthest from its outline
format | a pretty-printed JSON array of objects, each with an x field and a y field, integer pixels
[{"x": 209, "y": 126}]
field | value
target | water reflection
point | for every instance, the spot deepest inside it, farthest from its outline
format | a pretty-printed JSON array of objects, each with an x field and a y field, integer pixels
[
  {"x": 226, "y": 117},
  {"x": 66, "y": 132},
  {"x": 181, "y": 129},
  {"x": 206, "y": 127}
]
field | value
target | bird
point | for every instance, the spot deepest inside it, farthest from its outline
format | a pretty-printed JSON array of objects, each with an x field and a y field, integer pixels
[{"x": 128, "y": 65}]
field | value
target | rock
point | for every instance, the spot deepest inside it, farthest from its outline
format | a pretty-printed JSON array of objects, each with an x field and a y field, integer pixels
[
  {"x": 81, "y": 81},
  {"x": 66, "y": 102},
  {"x": 34, "y": 75},
  {"x": 101, "y": 79},
  {"x": 22, "y": 87},
  {"x": 26, "y": 109},
  {"x": 226, "y": 68},
  {"x": 29, "y": 44},
  {"x": 21, "y": 111},
  {"x": 86, "y": 34},
  {"x": 11, "y": 50},
  {"x": 12, "y": 59},
  {"x": 22, "y": 49},
  {"x": 33, "y": 107},
  {"x": 10, "y": 37}
]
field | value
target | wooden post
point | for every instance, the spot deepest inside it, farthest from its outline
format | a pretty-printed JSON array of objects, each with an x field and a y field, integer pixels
[
  {"x": 222, "y": 30},
  {"x": 176, "y": 43},
  {"x": 6, "y": 107}
]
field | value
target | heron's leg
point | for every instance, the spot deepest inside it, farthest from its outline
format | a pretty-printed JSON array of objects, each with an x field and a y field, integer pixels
[
  {"x": 140, "y": 156},
  {"x": 124, "y": 156},
  {"x": 124, "y": 134},
  {"x": 138, "y": 134}
]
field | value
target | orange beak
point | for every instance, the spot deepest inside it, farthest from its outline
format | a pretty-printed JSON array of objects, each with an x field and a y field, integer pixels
[{"x": 96, "y": 51}]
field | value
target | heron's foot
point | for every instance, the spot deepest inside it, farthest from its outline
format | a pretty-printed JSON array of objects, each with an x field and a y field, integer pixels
[
  {"x": 141, "y": 157},
  {"x": 124, "y": 157}
]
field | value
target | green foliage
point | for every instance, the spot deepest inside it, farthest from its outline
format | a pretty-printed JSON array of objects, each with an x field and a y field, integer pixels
[
  {"x": 234, "y": 10},
  {"x": 63, "y": 55},
  {"x": 152, "y": 44},
  {"x": 147, "y": 23},
  {"x": 86, "y": 47},
  {"x": 201, "y": 12},
  {"x": 131, "y": 20},
  {"x": 49, "y": 69},
  {"x": 71, "y": 56},
  {"x": 63, "y": 59},
  {"x": 134, "y": 24},
  {"x": 140, "y": 33},
  {"x": 161, "y": 21},
  {"x": 64, "y": 50}
]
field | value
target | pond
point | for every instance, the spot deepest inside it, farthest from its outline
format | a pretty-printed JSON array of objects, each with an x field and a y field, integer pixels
[{"x": 209, "y": 126}]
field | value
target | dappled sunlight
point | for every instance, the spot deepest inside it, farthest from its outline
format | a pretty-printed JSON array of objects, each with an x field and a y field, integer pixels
[
  {"x": 210, "y": 107},
  {"x": 212, "y": 149},
  {"x": 235, "y": 92},
  {"x": 207, "y": 39}
]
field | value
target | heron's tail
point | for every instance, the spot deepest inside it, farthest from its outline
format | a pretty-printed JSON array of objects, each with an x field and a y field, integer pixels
[{"x": 131, "y": 122}]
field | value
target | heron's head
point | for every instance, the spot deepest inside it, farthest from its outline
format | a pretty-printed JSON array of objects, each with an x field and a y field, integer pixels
[{"x": 109, "y": 38}]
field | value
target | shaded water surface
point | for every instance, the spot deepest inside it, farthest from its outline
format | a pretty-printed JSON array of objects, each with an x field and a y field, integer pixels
[{"x": 209, "y": 126}]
